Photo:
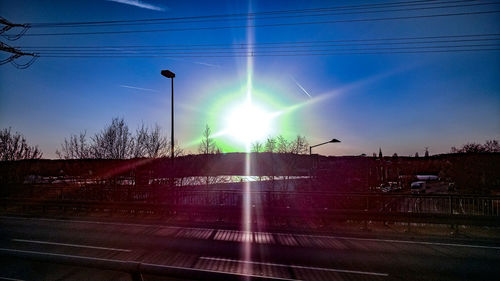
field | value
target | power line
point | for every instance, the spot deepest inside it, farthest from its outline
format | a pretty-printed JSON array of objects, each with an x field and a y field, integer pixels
[
  {"x": 264, "y": 25},
  {"x": 276, "y": 55},
  {"x": 296, "y": 52},
  {"x": 190, "y": 51},
  {"x": 122, "y": 49},
  {"x": 479, "y": 37},
  {"x": 267, "y": 16},
  {"x": 351, "y": 7},
  {"x": 405, "y": 45}
]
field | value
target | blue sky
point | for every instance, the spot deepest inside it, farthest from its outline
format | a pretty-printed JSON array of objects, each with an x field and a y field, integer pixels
[{"x": 399, "y": 102}]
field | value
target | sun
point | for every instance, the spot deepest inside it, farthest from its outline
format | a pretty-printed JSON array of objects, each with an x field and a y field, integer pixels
[{"x": 248, "y": 123}]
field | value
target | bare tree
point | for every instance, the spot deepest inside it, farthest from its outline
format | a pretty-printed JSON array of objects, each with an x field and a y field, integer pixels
[
  {"x": 282, "y": 144},
  {"x": 289, "y": 151},
  {"x": 76, "y": 147},
  {"x": 491, "y": 146},
  {"x": 140, "y": 142},
  {"x": 473, "y": 147},
  {"x": 270, "y": 145},
  {"x": 113, "y": 142},
  {"x": 13, "y": 146},
  {"x": 207, "y": 144},
  {"x": 299, "y": 145},
  {"x": 178, "y": 151},
  {"x": 257, "y": 147},
  {"x": 150, "y": 143}
]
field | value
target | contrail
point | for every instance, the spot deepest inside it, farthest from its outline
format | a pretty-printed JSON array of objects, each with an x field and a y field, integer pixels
[
  {"x": 139, "y": 88},
  {"x": 140, "y": 4},
  {"x": 300, "y": 86}
]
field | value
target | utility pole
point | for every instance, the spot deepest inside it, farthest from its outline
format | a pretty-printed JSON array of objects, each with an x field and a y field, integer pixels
[
  {"x": 16, "y": 53},
  {"x": 9, "y": 25}
]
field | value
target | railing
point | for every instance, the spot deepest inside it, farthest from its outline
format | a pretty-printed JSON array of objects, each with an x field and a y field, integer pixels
[
  {"x": 209, "y": 197},
  {"x": 278, "y": 206}
]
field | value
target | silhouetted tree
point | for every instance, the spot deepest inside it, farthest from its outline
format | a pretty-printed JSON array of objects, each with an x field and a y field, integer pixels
[
  {"x": 257, "y": 147},
  {"x": 113, "y": 142},
  {"x": 289, "y": 150},
  {"x": 489, "y": 146},
  {"x": 299, "y": 145},
  {"x": 13, "y": 146},
  {"x": 208, "y": 144},
  {"x": 426, "y": 152},
  {"x": 178, "y": 151},
  {"x": 270, "y": 145},
  {"x": 282, "y": 144},
  {"x": 416, "y": 154},
  {"x": 150, "y": 143},
  {"x": 76, "y": 147},
  {"x": 380, "y": 153}
]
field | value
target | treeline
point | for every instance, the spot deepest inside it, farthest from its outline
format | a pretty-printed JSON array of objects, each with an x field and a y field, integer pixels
[
  {"x": 117, "y": 141},
  {"x": 488, "y": 146},
  {"x": 13, "y": 146},
  {"x": 280, "y": 144}
]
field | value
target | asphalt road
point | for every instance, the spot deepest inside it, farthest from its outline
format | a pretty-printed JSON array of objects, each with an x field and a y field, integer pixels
[{"x": 281, "y": 255}]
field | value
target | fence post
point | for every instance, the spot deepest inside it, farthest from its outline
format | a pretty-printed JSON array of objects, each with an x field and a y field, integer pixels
[
  {"x": 451, "y": 204},
  {"x": 137, "y": 276},
  {"x": 454, "y": 227},
  {"x": 365, "y": 226}
]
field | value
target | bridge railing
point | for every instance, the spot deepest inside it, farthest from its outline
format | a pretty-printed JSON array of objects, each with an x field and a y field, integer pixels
[{"x": 224, "y": 198}]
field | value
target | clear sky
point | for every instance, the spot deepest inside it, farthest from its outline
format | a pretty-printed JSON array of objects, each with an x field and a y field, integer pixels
[{"x": 400, "y": 95}]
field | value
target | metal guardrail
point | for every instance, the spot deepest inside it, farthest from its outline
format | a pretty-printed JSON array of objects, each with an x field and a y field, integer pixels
[
  {"x": 201, "y": 196},
  {"x": 358, "y": 210},
  {"x": 136, "y": 269}
]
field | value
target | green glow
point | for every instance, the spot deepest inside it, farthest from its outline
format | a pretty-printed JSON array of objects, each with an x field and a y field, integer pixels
[{"x": 239, "y": 116}]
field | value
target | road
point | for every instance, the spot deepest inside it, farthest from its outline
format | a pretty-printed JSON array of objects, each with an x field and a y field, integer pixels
[{"x": 282, "y": 255}]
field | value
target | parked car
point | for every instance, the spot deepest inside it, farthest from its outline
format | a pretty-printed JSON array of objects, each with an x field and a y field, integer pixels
[{"x": 418, "y": 187}]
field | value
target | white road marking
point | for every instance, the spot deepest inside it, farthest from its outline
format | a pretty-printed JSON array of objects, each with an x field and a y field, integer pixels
[
  {"x": 299, "y": 266},
  {"x": 146, "y": 264},
  {"x": 218, "y": 271},
  {"x": 93, "y": 222},
  {"x": 10, "y": 279},
  {"x": 70, "y": 245},
  {"x": 403, "y": 241},
  {"x": 307, "y": 235}
]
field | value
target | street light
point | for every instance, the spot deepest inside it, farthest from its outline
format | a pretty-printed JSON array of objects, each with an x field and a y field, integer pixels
[
  {"x": 310, "y": 154},
  {"x": 331, "y": 141},
  {"x": 171, "y": 75}
]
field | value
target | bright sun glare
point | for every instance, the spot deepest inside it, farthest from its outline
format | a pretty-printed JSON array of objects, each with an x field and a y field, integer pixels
[{"x": 248, "y": 123}]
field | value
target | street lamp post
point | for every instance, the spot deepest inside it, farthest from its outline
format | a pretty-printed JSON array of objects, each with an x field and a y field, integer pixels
[
  {"x": 171, "y": 75},
  {"x": 310, "y": 154},
  {"x": 331, "y": 141}
]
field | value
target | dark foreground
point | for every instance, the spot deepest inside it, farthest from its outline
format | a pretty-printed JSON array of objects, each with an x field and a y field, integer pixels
[{"x": 281, "y": 255}]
